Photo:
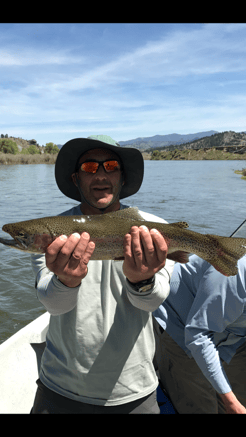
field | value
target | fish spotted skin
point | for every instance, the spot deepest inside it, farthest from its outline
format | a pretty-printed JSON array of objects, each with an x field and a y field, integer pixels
[{"x": 108, "y": 231}]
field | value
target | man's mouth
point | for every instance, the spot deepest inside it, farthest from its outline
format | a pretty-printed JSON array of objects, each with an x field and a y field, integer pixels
[{"x": 101, "y": 188}]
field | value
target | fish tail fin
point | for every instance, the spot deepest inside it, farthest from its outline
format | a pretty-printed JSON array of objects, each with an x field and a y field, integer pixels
[{"x": 225, "y": 254}]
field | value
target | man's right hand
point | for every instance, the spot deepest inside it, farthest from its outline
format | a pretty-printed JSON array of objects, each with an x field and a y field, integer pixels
[
  {"x": 68, "y": 257},
  {"x": 232, "y": 404}
]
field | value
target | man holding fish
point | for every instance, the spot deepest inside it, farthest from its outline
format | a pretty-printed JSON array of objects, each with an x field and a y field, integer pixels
[
  {"x": 100, "y": 344},
  {"x": 105, "y": 269}
]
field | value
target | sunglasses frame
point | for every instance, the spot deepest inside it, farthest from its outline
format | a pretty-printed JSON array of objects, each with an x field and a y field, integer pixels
[{"x": 101, "y": 163}]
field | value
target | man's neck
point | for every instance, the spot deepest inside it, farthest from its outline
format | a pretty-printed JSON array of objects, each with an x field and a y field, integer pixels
[{"x": 90, "y": 210}]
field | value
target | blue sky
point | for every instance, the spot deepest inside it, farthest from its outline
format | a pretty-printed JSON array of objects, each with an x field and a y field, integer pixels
[{"x": 61, "y": 81}]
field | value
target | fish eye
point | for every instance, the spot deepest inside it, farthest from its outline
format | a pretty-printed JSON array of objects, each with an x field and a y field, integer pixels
[{"x": 22, "y": 235}]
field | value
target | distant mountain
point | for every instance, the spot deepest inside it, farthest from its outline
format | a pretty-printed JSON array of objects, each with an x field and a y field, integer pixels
[
  {"x": 165, "y": 140},
  {"x": 227, "y": 139},
  {"x": 210, "y": 138}
]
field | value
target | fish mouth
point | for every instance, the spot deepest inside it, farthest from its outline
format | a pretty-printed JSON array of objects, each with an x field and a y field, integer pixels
[{"x": 11, "y": 243}]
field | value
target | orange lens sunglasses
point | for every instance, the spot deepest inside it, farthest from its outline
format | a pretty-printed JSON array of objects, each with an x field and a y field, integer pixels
[{"x": 93, "y": 166}]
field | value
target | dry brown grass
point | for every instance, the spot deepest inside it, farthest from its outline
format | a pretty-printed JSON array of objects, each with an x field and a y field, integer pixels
[{"x": 8, "y": 159}]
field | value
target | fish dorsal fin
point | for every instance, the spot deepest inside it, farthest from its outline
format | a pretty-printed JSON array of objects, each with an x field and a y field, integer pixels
[{"x": 182, "y": 225}]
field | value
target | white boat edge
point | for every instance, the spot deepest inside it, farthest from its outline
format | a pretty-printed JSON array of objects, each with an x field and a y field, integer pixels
[{"x": 20, "y": 357}]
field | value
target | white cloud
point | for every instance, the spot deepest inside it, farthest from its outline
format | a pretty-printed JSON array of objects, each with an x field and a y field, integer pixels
[
  {"x": 24, "y": 57},
  {"x": 185, "y": 80},
  {"x": 204, "y": 51},
  {"x": 207, "y": 51}
]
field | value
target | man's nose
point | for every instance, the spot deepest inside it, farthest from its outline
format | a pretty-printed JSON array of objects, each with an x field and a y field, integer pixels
[{"x": 101, "y": 173}]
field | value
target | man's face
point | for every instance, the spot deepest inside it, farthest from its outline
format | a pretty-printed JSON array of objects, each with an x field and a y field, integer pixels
[{"x": 100, "y": 188}]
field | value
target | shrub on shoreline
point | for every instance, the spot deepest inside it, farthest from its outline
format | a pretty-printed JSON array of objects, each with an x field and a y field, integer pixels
[
  {"x": 8, "y": 146},
  {"x": 32, "y": 150},
  {"x": 51, "y": 148}
]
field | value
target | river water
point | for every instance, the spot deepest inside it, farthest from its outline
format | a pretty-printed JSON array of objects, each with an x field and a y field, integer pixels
[{"x": 206, "y": 194}]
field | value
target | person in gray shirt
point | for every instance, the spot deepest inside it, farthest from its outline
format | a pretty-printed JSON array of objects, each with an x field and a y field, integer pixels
[{"x": 100, "y": 343}]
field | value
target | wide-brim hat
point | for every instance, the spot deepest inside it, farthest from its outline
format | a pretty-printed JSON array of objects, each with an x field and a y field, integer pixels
[{"x": 131, "y": 159}]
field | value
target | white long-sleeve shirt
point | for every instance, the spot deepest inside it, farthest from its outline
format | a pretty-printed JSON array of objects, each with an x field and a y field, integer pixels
[{"x": 100, "y": 342}]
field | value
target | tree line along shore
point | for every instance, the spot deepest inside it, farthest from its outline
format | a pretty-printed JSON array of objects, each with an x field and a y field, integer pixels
[
  {"x": 47, "y": 158},
  {"x": 14, "y": 151},
  {"x": 18, "y": 151}
]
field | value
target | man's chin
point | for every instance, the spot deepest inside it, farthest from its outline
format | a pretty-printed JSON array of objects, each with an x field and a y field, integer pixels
[{"x": 103, "y": 203}]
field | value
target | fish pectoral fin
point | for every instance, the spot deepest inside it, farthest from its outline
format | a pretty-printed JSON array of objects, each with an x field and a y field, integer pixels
[
  {"x": 182, "y": 225},
  {"x": 179, "y": 256}
]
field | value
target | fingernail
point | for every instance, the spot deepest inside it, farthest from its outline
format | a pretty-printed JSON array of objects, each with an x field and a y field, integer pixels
[
  {"x": 144, "y": 227},
  {"x": 155, "y": 230},
  {"x": 86, "y": 235},
  {"x": 63, "y": 237},
  {"x": 76, "y": 235}
]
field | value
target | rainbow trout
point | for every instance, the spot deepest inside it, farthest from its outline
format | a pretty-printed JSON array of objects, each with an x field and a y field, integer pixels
[{"x": 108, "y": 231}]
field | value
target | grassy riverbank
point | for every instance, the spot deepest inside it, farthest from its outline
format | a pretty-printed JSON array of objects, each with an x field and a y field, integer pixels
[
  {"x": 201, "y": 154},
  {"x": 188, "y": 154},
  {"x": 242, "y": 172},
  {"x": 44, "y": 158}
]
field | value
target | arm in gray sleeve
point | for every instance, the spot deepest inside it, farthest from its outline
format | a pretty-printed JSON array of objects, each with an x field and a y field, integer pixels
[
  {"x": 55, "y": 296},
  {"x": 152, "y": 299}
]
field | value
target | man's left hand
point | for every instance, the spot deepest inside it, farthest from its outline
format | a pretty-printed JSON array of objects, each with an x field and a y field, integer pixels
[{"x": 145, "y": 253}]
